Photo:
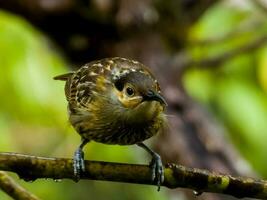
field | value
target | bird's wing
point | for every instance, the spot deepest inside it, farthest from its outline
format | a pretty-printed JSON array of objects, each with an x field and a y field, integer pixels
[{"x": 79, "y": 86}]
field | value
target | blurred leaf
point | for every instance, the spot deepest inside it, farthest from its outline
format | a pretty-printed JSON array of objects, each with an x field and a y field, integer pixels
[
  {"x": 217, "y": 22},
  {"x": 199, "y": 84},
  {"x": 26, "y": 85},
  {"x": 244, "y": 107}
]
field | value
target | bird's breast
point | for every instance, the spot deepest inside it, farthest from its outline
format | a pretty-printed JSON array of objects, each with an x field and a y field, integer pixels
[
  {"x": 108, "y": 122},
  {"x": 112, "y": 129},
  {"x": 122, "y": 133}
]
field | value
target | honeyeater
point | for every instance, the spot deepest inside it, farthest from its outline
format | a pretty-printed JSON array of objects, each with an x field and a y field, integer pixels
[{"x": 115, "y": 101}]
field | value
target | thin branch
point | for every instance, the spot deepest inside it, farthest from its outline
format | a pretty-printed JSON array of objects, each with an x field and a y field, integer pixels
[
  {"x": 183, "y": 61},
  {"x": 248, "y": 26},
  {"x": 262, "y": 6},
  {"x": 32, "y": 168},
  {"x": 14, "y": 190},
  {"x": 219, "y": 60}
]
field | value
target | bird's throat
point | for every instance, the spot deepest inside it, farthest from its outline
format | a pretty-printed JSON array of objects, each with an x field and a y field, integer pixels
[{"x": 143, "y": 113}]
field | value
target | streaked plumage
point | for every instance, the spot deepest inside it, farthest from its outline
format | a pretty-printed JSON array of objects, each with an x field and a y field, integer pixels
[{"x": 114, "y": 101}]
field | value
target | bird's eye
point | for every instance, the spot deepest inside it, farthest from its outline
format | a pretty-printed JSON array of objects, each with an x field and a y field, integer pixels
[{"x": 129, "y": 91}]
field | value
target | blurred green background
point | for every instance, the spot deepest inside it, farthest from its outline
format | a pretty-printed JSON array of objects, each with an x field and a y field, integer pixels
[{"x": 33, "y": 116}]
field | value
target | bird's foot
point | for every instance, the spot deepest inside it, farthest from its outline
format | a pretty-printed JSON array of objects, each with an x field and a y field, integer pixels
[
  {"x": 78, "y": 164},
  {"x": 157, "y": 170}
]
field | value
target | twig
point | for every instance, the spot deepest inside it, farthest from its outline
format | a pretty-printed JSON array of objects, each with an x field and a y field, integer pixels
[
  {"x": 262, "y": 6},
  {"x": 14, "y": 190},
  {"x": 248, "y": 26},
  {"x": 216, "y": 61},
  {"x": 184, "y": 61},
  {"x": 32, "y": 167}
]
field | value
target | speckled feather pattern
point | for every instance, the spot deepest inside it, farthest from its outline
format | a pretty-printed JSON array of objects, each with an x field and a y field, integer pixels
[{"x": 95, "y": 111}]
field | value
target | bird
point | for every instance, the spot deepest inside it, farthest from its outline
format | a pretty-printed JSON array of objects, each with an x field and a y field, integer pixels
[{"x": 115, "y": 101}]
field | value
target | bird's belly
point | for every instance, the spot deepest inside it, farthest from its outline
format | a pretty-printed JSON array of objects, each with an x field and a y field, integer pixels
[
  {"x": 119, "y": 135},
  {"x": 115, "y": 130}
]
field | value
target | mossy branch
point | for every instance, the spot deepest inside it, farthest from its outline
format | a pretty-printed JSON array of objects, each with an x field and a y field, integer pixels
[{"x": 32, "y": 167}]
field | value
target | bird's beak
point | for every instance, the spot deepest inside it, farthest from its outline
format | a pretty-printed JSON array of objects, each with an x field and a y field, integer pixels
[{"x": 154, "y": 96}]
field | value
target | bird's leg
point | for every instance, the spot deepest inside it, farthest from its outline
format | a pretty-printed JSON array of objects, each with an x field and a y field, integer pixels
[
  {"x": 78, "y": 160},
  {"x": 156, "y": 165}
]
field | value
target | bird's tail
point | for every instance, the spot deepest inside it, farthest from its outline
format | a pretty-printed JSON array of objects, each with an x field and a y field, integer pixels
[{"x": 63, "y": 77}]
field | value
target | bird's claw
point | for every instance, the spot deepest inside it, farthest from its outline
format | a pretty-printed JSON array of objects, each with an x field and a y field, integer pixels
[
  {"x": 78, "y": 164},
  {"x": 157, "y": 170}
]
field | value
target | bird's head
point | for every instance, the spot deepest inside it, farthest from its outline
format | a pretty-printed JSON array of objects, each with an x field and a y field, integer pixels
[{"x": 139, "y": 93}]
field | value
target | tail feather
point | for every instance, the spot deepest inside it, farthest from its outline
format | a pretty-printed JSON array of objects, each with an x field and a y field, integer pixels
[{"x": 63, "y": 77}]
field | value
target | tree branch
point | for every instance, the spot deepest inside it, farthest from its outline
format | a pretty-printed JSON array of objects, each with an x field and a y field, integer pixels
[
  {"x": 183, "y": 61},
  {"x": 32, "y": 167},
  {"x": 14, "y": 190},
  {"x": 219, "y": 60},
  {"x": 262, "y": 6}
]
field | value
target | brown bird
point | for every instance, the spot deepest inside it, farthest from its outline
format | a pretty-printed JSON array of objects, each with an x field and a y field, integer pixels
[{"x": 115, "y": 101}]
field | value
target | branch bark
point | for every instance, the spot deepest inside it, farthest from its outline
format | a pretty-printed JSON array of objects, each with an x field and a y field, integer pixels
[
  {"x": 31, "y": 168},
  {"x": 14, "y": 190}
]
